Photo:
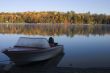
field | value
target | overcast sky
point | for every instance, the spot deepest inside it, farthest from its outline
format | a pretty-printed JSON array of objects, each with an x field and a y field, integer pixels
[{"x": 79, "y": 6}]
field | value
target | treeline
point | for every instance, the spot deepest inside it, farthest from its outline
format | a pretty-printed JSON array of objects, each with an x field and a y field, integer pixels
[{"x": 54, "y": 17}]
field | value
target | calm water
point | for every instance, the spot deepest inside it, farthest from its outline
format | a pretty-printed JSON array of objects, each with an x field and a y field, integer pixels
[{"x": 84, "y": 46}]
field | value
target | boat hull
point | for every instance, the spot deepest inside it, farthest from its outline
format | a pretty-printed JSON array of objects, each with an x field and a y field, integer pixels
[{"x": 25, "y": 57}]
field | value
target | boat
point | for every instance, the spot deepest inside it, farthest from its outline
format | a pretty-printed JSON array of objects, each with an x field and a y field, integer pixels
[{"x": 29, "y": 50}]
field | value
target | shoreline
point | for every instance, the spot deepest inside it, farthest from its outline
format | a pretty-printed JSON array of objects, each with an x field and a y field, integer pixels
[
  {"x": 55, "y": 70},
  {"x": 38, "y": 68},
  {"x": 55, "y": 23}
]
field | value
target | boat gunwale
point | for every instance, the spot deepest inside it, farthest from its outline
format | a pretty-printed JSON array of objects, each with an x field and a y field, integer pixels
[{"x": 31, "y": 50}]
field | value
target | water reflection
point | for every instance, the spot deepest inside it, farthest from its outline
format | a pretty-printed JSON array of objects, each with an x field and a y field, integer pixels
[
  {"x": 54, "y": 29},
  {"x": 43, "y": 67},
  {"x": 85, "y": 46}
]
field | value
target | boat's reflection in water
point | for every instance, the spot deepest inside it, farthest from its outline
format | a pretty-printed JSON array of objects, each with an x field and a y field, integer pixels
[{"x": 47, "y": 66}]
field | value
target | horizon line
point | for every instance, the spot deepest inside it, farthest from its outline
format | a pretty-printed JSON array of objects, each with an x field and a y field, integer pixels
[{"x": 52, "y": 11}]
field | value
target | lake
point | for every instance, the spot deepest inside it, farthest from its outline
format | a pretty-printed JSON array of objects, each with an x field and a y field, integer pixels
[{"x": 85, "y": 46}]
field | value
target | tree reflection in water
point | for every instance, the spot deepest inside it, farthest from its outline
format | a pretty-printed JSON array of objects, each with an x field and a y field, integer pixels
[{"x": 54, "y": 29}]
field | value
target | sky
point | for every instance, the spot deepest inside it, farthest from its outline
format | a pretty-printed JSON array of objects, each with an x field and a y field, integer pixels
[{"x": 79, "y": 6}]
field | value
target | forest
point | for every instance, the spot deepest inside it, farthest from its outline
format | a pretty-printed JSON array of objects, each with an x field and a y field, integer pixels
[{"x": 54, "y": 17}]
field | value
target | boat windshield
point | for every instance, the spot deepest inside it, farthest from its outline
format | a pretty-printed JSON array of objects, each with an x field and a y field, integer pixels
[{"x": 32, "y": 42}]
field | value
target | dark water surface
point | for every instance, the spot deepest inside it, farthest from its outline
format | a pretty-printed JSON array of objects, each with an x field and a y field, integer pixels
[{"x": 85, "y": 46}]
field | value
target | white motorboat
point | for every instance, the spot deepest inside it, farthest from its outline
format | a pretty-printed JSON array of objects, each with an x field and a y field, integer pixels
[{"x": 31, "y": 50}]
